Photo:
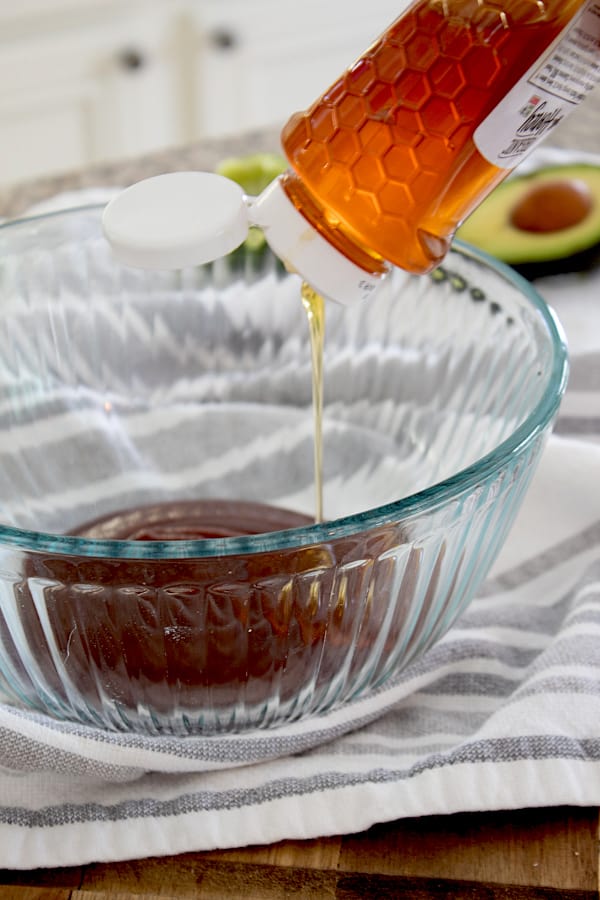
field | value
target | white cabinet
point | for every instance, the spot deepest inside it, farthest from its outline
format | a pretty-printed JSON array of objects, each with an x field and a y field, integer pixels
[
  {"x": 256, "y": 62},
  {"x": 88, "y": 81},
  {"x": 88, "y": 84}
]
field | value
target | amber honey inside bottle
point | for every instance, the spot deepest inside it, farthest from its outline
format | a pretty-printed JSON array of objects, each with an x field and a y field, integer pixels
[{"x": 384, "y": 162}]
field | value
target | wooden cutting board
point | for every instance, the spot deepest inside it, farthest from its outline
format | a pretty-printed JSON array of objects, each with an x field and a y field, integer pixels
[{"x": 545, "y": 854}]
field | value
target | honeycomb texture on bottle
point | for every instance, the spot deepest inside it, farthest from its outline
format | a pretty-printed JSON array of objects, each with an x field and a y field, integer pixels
[{"x": 388, "y": 148}]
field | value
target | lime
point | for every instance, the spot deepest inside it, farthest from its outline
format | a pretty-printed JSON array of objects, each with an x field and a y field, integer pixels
[{"x": 253, "y": 172}]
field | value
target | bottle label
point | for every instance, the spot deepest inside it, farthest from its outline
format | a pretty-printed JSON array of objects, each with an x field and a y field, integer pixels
[{"x": 546, "y": 94}]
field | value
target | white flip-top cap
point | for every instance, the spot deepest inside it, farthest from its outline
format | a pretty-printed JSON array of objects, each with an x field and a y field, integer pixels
[
  {"x": 188, "y": 218},
  {"x": 301, "y": 247},
  {"x": 176, "y": 220}
]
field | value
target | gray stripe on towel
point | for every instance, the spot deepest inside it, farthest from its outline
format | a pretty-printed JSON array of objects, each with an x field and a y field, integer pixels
[{"x": 507, "y": 750}]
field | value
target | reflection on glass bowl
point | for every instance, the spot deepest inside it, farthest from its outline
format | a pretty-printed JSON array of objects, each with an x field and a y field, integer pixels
[{"x": 122, "y": 390}]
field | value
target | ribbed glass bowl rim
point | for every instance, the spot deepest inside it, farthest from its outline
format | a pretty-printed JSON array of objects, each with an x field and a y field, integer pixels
[{"x": 404, "y": 509}]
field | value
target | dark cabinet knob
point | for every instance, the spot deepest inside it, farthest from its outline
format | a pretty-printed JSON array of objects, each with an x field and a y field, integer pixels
[
  {"x": 223, "y": 39},
  {"x": 131, "y": 59}
]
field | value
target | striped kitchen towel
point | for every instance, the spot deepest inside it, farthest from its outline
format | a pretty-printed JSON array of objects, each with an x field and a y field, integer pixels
[{"x": 504, "y": 712}]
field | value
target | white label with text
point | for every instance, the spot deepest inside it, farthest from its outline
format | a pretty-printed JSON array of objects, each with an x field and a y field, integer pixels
[{"x": 546, "y": 94}]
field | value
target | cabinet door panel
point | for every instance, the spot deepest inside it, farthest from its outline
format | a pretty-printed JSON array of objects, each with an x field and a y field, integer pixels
[
  {"x": 258, "y": 63},
  {"x": 76, "y": 93},
  {"x": 47, "y": 131}
]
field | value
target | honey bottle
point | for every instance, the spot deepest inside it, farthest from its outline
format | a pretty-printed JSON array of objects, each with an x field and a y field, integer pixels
[{"x": 388, "y": 162}]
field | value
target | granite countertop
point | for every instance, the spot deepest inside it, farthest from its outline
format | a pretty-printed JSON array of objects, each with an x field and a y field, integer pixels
[
  {"x": 204, "y": 155},
  {"x": 581, "y": 132}
]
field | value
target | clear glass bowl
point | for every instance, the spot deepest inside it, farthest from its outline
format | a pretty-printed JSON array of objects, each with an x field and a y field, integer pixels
[{"x": 121, "y": 388}]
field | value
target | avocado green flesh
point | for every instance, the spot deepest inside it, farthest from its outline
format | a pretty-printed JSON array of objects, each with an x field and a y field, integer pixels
[{"x": 536, "y": 253}]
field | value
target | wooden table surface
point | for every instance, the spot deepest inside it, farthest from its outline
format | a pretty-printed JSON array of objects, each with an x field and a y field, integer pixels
[{"x": 542, "y": 854}]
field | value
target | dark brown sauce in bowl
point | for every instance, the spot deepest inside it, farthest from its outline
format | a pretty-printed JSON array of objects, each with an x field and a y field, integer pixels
[
  {"x": 192, "y": 520},
  {"x": 177, "y": 637}
]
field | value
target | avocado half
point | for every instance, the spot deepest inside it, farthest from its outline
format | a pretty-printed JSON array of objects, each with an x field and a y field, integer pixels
[{"x": 543, "y": 223}]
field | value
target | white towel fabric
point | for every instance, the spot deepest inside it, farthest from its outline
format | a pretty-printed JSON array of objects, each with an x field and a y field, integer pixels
[{"x": 504, "y": 712}]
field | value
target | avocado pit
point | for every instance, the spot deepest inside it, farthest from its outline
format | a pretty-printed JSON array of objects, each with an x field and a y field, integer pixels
[
  {"x": 553, "y": 206},
  {"x": 544, "y": 223}
]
